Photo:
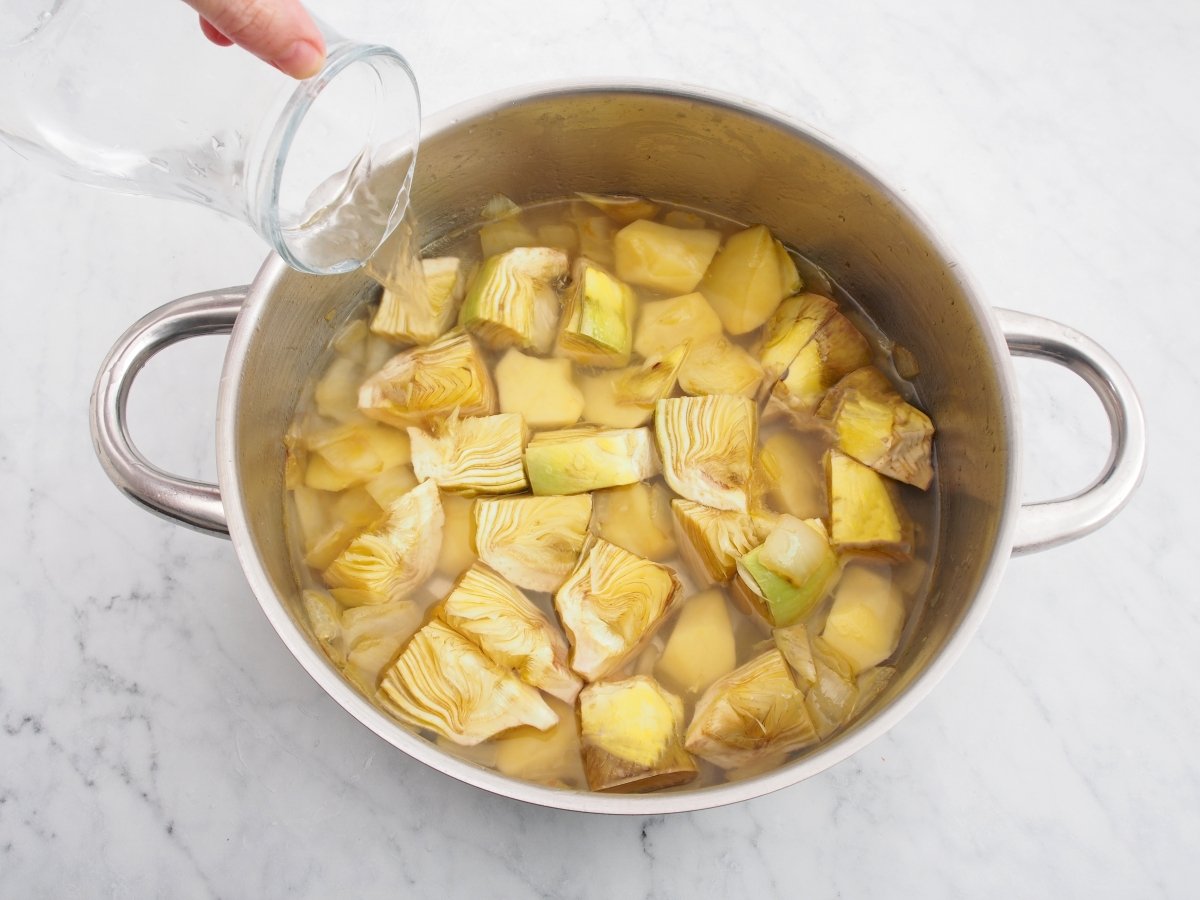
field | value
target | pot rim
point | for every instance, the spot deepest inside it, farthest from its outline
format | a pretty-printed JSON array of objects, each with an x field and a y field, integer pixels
[{"x": 850, "y": 742}]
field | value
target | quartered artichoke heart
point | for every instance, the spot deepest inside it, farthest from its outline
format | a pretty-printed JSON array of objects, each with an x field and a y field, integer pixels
[
  {"x": 795, "y": 568},
  {"x": 395, "y": 558},
  {"x": 611, "y": 605},
  {"x": 444, "y": 683},
  {"x": 827, "y": 680},
  {"x": 632, "y": 737},
  {"x": 597, "y": 322},
  {"x": 754, "y": 712},
  {"x": 864, "y": 516},
  {"x": 875, "y": 425},
  {"x": 707, "y": 446},
  {"x": 534, "y": 542},
  {"x": 513, "y": 300},
  {"x": 512, "y": 632},
  {"x": 373, "y": 635},
  {"x": 712, "y": 540},
  {"x": 425, "y": 314},
  {"x": 424, "y": 383},
  {"x": 472, "y": 456},
  {"x": 836, "y": 349},
  {"x": 719, "y": 366},
  {"x": 577, "y": 460},
  {"x": 625, "y": 398},
  {"x": 789, "y": 329}
]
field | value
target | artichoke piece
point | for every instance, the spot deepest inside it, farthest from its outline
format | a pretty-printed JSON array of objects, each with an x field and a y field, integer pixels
[
  {"x": 373, "y": 636},
  {"x": 352, "y": 597},
  {"x": 541, "y": 390},
  {"x": 867, "y": 617},
  {"x": 504, "y": 234},
  {"x": 314, "y": 511},
  {"x": 357, "y": 507},
  {"x": 712, "y": 540},
  {"x": 832, "y": 697},
  {"x": 755, "y": 711},
  {"x": 423, "y": 315},
  {"x": 472, "y": 456},
  {"x": 552, "y": 757},
  {"x": 837, "y": 349},
  {"x": 498, "y": 207},
  {"x": 701, "y": 647},
  {"x": 610, "y": 606},
  {"x": 597, "y": 323},
  {"x": 625, "y": 398},
  {"x": 578, "y": 460},
  {"x": 636, "y": 518},
  {"x": 458, "y": 548},
  {"x": 662, "y": 258},
  {"x": 665, "y": 324},
  {"x": 324, "y": 619},
  {"x": 863, "y": 514},
  {"x": 623, "y": 208},
  {"x": 512, "y": 632},
  {"x": 513, "y": 301},
  {"x": 596, "y": 233},
  {"x": 336, "y": 394},
  {"x": 632, "y": 737},
  {"x": 789, "y": 329},
  {"x": 749, "y": 278},
  {"x": 707, "y": 446},
  {"x": 809, "y": 569},
  {"x": 534, "y": 542},
  {"x": 331, "y": 545},
  {"x": 871, "y": 684},
  {"x": 396, "y": 557},
  {"x": 794, "y": 474},
  {"x": 426, "y": 383},
  {"x": 877, "y": 427},
  {"x": 795, "y": 643},
  {"x": 444, "y": 683},
  {"x": 719, "y": 366}
]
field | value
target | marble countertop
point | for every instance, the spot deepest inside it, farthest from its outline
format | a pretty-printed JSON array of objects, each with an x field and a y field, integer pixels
[{"x": 159, "y": 740}]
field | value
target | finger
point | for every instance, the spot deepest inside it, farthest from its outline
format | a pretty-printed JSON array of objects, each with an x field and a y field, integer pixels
[
  {"x": 213, "y": 35},
  {"x": 278, "y": 31}
]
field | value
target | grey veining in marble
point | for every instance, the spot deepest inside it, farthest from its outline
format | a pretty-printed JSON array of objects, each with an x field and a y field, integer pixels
[{"x": 156, "y": 739}]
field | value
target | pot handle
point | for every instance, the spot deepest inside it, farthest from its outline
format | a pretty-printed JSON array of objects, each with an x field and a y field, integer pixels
[
  {"x": 195, "y": 504},
  {"x": 1041, "y": 526}
]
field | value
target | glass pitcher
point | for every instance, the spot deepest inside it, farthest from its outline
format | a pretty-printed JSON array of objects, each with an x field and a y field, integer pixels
[{"x": 130, "y": 96}]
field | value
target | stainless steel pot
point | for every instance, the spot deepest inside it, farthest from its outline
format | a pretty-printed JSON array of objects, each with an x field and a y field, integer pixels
[{"x": 695, "y": 148}]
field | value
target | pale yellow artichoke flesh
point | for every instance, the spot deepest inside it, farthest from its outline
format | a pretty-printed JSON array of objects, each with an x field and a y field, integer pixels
[
  {"x": 444, "y": 683},
  {"x": 712, "y": 540},
  {"x": 578, "y": 460},
  {"x": 719, "y": 366},
  {"x": 876, "y": 426},
  {"x": 753, "y": 712},
  {"x": 472, "y": 456},
  {"x": 425, "y": 312},
  {"x": 395, "y": 558},
  {"x": 534, "y": 542},
  {"x": 513, "y": 300},
  {"x": 425, "y": 383},
  {"x": 631, "y": 732},
  {"x": 789, "y": 329},
  {"x": 597, "y": 323},
  {"x": 494, "y": 615},
  {"x": 611, "y": 605},
  {"x": 864, "y": 516},
  {"x": 707, "y": 446}
]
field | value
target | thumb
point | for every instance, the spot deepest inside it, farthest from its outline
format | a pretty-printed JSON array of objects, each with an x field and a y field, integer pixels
[{"x": 278, "y": 31}]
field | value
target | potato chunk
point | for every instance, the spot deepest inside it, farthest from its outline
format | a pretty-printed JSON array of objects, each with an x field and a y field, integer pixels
[
  {"x": 541, "y": 390},
  {"x": 662, "y": 258},
  {"x": 636, "y": 517},
  {"x": 701, "y": 647},
  {"x": 867, "y": 616},
  {"x": 748, "y": 279},
  {"x": 665, "y": 324}
]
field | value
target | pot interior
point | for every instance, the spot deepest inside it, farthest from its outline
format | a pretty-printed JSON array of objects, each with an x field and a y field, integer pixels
[{"x": 697, "y": 152}]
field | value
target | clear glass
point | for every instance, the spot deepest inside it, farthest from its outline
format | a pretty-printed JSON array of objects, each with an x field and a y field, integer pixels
[{"x": 130, "y": 96}]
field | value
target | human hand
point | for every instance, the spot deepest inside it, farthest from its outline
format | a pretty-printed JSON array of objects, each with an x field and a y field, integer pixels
[{"x": 278, "y": 31}]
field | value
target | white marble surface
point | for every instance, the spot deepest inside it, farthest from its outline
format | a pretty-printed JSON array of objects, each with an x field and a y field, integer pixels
[{"x": 158, "y": 740}]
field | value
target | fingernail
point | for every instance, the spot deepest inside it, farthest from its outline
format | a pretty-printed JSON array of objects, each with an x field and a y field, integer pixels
[{"x": 302, "y": 60}]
